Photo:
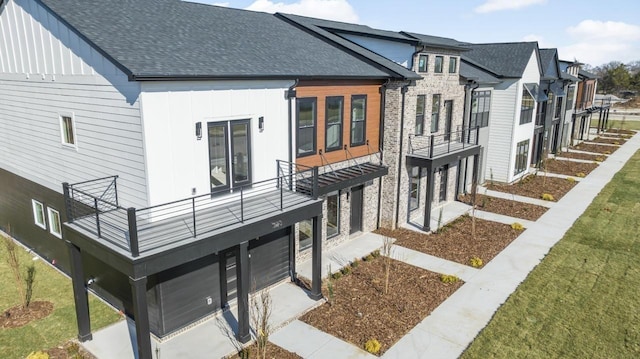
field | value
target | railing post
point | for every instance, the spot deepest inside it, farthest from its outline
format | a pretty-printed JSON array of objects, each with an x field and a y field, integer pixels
[
  {"x": 314, "y": 189},
  {"x": 95, "y": 204},
  {"x": 193, "y": 214},
  {"x": 449, "y": 143},
  {"x": 115, "y": 188},
  {"x": 242, "y": 203},
  {"x": 431, "y": 145},
  {"x": 477, "y": 135},
  {"x": 281, "y": 200},
  {"x": 67, "y": 202},
  {"x": 133, "y": 231}
]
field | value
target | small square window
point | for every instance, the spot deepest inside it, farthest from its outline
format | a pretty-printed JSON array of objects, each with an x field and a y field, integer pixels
[
  {"x": 38, "y": 214},
  {"x": 439, "y": 64},
  {"x": 67, "y": 130},
  {"x": 55, "y": 227},
  {"x": 423, "y": 60}
]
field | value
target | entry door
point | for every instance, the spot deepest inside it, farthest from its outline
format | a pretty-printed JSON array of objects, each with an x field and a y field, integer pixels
[
  {"x": 356, "y": 209},
  {"x": 448, "y": 112},
  {"x": 229, "y": 143},
  {"x": 536, "y": 156},
  {"x": 444, "y": 174}
]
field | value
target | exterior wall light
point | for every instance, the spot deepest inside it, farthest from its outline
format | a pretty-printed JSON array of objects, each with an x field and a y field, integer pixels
[
  {"x": 261, "y": 123},
  {"x": 199, "y": 130}
]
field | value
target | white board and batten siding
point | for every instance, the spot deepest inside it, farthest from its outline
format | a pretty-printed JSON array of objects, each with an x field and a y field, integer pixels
[
  {"x": 395, "y": 51},
  {"x": 177, "y": 161},
  {"x": 47, "y": 71},
  {"x": 502, "y": 117},
  {"x": 524, "y": 132}
]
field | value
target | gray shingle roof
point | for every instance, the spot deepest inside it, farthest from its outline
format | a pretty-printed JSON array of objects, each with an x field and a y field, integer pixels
[
  {"x": 549, "y": 63},
  {"x": 587, "y": 74},
  {"x": 171, "y": 38},
  {"x": 471, "y": 72},
  {"x": 503, "y": 59},
  {"x": 437, "y": 41},
  {"x": 309, "y": 24}
]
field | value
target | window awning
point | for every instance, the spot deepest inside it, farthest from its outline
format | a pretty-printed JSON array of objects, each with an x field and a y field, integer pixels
[
  {"x": 536, "y": 92},
  {"x": 557, "y": 89}
]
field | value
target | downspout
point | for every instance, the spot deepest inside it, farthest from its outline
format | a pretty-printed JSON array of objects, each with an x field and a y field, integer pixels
[
  {"x": 383, "y": 91},
  {"x": 403, "y": 89},
  {"x": 292, "y": 236},
  {"x": 291, "y": 119}
]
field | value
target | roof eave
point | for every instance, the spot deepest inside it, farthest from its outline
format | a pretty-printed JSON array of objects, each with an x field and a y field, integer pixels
[{"x": 152, "y": 77}]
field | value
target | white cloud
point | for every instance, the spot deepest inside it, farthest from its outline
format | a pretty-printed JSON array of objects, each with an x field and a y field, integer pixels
[
  {"x": 498, "y": 5},
  {"x": 339, "y": 10},
  {"x": 225, "y": 4},
  {"x": 599, "y": 42}
]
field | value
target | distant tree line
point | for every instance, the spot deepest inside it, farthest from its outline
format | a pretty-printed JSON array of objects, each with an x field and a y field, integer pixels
[{"x": 618, "y": 78}]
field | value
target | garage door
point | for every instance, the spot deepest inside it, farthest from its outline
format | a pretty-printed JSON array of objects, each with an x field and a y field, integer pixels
[{"x": 269, "y": 259}]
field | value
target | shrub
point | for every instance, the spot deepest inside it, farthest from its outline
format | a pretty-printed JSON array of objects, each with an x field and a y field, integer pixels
[
  {"x": 38, "y": 355},
  {"x": 571, "y": 179},
  {"x": 607, "y": 152},
  {"x": 376, "y": 253},
  {"x": 616, "y": 143},
  {"x": 517, "y": 226},
  {"x": 346, "y": 270},
  {"x": 447, "y": 278},
  {"x": 581, "y": 175},
  {"x": 599, "y": 159},
  {"x": 547, "y": 197},
  {"x": 355, "y": 263},
  {"x": 372, "y": 346},
  {"x": 367, "y": 258},
  {"x": 336, "y": 275},
  {"x": 476, "y": 262}
]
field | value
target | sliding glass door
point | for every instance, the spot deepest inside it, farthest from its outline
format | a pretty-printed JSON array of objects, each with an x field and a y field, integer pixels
[{"x": 229, "y": 154}]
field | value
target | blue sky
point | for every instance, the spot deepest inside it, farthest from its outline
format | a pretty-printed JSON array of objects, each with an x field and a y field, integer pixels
[{"x": 593, "y": 32}]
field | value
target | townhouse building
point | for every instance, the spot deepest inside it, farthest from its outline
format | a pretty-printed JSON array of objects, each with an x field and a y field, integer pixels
[{"x": 166, "y": 154}]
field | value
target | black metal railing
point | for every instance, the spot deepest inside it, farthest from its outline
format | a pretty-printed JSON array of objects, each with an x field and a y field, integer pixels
[
  {"x": 93, "y": 206},
  {"x": 437, "y": 145}
]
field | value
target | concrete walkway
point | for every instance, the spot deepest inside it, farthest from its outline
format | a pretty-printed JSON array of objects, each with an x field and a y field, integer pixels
[
  {"x": 445, "y": 333},
  {"x": 515, "y": 197}
]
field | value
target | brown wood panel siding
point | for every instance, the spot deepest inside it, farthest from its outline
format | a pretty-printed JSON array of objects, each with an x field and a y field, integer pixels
[{"x": 345, "y": 89}]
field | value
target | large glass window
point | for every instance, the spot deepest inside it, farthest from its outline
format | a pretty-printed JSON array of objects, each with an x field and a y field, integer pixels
[
  {"x": 414, "y": 189},
  {"x": 333, "y": 117},
  {"x": 225, "y": 149},
  {"x": 522, "y": 152},
  {"x": 453, "y": 64},
  {"x": 55, "y": 226},
  {"x": 306, "y": 126},
  {"x": 480, "y": 104},
  {"x": 527, "y": 104},
  {"x": 558, "y": 111},
  {"x": 358, "y": 119},
  {"x": 333, "y": 214},
  {"x": 420, "y": 104},
  {"x": 435, "y": 113},
  {"x": 439, "y": 64},
  {"x": 68, "y": 131},
  {"x": 423, "y": 61},
  {"x": 38, "y": 214}
]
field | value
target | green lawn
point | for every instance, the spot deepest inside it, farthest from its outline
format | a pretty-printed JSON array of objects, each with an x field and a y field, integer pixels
[
  {"x": 583, "y": 300},
  {"x": 628, "y": 125},
  {"x": 60, "y": 325}
]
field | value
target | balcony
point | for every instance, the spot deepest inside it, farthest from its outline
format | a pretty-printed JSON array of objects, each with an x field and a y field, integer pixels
[
  {"x": 443, "y": 147},
  {"x": 94, "y": 210}
]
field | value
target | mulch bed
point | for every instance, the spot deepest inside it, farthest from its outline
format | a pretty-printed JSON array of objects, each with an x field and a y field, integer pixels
[
  {"x": 534, "y": 186},
  {"x": 18, "y": 316},
  {"x": 455, "y": 241},
  {"x": 619, "y": 131},
  {"x": 569, "y": 168},
  {"x": 582, "y": 156},
  {"x": 610, "y": 141},
  {"x": 506, "y": 207},
  {"x": 593, "y": 148},
  {"x": 361, "y": 311},
  {"x": 273, "y": 352},
  {"x": 70, "y": 350}
]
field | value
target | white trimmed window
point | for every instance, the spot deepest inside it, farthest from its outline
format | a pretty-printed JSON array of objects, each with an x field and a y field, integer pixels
[
  {"x": 38, "y": 214},
  {"x": 55, "y": 227},
  {"x": 67, "y": 130}
]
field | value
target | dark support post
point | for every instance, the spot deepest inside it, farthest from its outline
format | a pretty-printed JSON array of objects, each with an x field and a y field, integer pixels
[
  {"x": 600, "y": 121},
  {"x": 222, "y": 262},
  {"x": 314, "y": 188},
  {"x": 431, "y": 146},
  {"x": 133, "y": 231},
  {"x": 292, "y": 254},
  {"x": 141, "y": 316},
  {"x": 95, "y": 204},
  {"x": 316, "y": 260},
  {"x": 426, "y": 226},
  {"x": 242, "y": 268},
  {"x": 80, "y": 295}
]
